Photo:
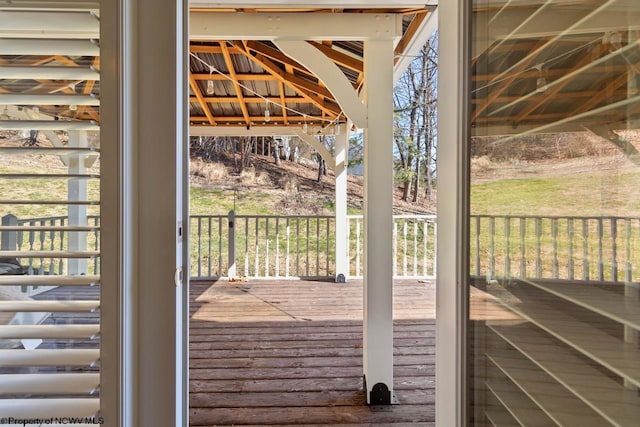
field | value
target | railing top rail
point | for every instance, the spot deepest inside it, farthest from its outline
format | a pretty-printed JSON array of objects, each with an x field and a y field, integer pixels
[
  {"x": 403, "y": 216},
  {"x": 590, "y": 217},
  {"x": 238, "y": 216},
  {"x": 22, "y": 221}
]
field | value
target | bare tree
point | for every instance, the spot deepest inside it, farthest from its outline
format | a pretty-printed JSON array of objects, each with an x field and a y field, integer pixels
[{"x": 415, "y": 103}]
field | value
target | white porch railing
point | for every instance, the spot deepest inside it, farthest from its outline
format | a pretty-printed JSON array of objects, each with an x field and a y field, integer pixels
[{"x": 267, "y": 246}]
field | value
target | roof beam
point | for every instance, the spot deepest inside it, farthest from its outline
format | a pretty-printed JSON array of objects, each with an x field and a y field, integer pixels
[
  {"x": 339, "y": 58},
  {"x": 418, "y": 33},
  {"x": 205, "y": 107},
  {"x": 306, "y": 89},
  {"x": 394, "y": 4},
  {"x": 333, "y": 78},
  {"x": 234, "y": 79},
  {"x": 225, "y": 77},
  {"x": 302, "y": 26}
]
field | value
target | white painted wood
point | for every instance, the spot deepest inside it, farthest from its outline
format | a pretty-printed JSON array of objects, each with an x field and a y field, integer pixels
[
  {"x": 329, "y": 74},
  {"x": 49, "y": 280},
  {"x": 77, "y": 192},
  {"x": 378, "y": 215},
  {"x": 58, "y": 383},
  {"x": 49, "y": 331},
  {"x": 341, "y": 221},
  {"x": 47, "y": 125},
  {"x": 48, "y": 254},
  {"x": 298, "y": 26},
  {"x": 49, "y": 73},
  {"x": 48, "y": 99},
  {"x": 48, "y": 408},
  {"x": 319, "y": 147},
  {"x": 50, "y": 306},
  {"x": 452, "y": 257},
  {"x": 51, "y": 47},
  {"x": 62, "y": 357},
  {"x": 45, "y": 25},
  {"x": 416, "y": 43}
]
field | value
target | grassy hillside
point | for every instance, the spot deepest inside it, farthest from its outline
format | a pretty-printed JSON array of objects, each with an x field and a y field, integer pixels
[{"x": 597, "y": 193}]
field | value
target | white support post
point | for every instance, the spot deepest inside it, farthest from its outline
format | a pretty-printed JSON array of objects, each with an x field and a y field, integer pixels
[
  {"x": 231, "y": 270},
  {"x": 77, "y": 192},
  {"x": 378, "y": 221},
  {"x": 342, "y": 224}
]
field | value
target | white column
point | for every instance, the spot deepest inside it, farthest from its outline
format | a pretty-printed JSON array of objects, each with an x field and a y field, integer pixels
[
  {"x": 452, "y": 266},
  {"x": 342, "y": 225},
  {"x": 77, "y": 191},
  {"x": 143, "y": 129},
  {"x": 378, "y": 219}
]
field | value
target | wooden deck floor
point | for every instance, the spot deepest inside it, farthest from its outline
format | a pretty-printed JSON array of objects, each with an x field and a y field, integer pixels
[{"x": 290, "y": 353}]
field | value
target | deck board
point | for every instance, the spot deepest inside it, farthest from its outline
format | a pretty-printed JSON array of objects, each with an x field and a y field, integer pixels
[{"x": 290, "y": 354}]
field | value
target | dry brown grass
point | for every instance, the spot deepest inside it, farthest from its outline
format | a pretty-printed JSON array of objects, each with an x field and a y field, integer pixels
[
  {"x": 249, "y": 177},
  {"x": 208, "y": 170}
]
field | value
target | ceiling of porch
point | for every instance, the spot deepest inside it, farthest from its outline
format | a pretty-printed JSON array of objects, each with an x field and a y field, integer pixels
[
  {"x": 540, "y": 66},
  {"x": 232, "y": 83}
]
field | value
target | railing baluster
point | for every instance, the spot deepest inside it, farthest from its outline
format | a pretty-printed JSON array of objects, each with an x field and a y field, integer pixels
[
  {"x": 298, "y": 246},
  {"x": 600, "y": 260},
  {"x": 415, "y": 248},
  {"x": 220, "y": 267},
  {"x": 288, "y": 233},
  {"x": 277, "y": 270},
  {"x": 477, "y": 222},
  {"x": 52, "y": 238},
  {"x": 554, "y": 235},
  {"x": 199, "y": 247},
  {"x": 256, "y": 261},
  {"x": 348, "y": 246},
  {"x": 425, "y": 238},
  {"x": 507, "y": 246},
  {"x": 327, "y": 249},
  {"x": 209, "y": 246},
  {"x": 585, "y": 249},
  {"x": 394, "y": 245},
  {"x": 492, "y": 247},
  {"x": 523, "y": 248},
  {"x": 570, "y": 265},
  {"x": 307, "y": 239},
  {"x": 61, "y": 264},
  {"x": 614, "y": 249},
  {"x": 317, "y": 247},
  {"x": 628, "y": 273},
  {"x": 246, "y": 247},
  {"x": 538, "y": 230},
  {"x": 357, "y": 248},
  {"x": 266, "y": 249},
  {"x": 404, "y": 247}
]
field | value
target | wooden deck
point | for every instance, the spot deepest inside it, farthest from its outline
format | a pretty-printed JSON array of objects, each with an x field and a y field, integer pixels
[{"x": 290, "y": 353}]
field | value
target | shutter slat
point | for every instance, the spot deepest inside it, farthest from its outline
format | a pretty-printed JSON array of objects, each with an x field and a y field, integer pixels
[
  {"x": 50, "y": 306},
  {"x": 49, "y": 331},
  {"x": 59, "y": 383},
  {"x": 62, "y": 357},
  {"x": 49, "y": 73},
  {"x": 48, "y": 125},
  {"x": 49, "y": 280},
  {"x": 48, "y": 254},
  {"x": 48, "y": 408}
]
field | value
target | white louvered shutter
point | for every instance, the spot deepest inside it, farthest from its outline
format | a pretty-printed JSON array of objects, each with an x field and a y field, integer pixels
[{"x": 49, "y": 204}]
